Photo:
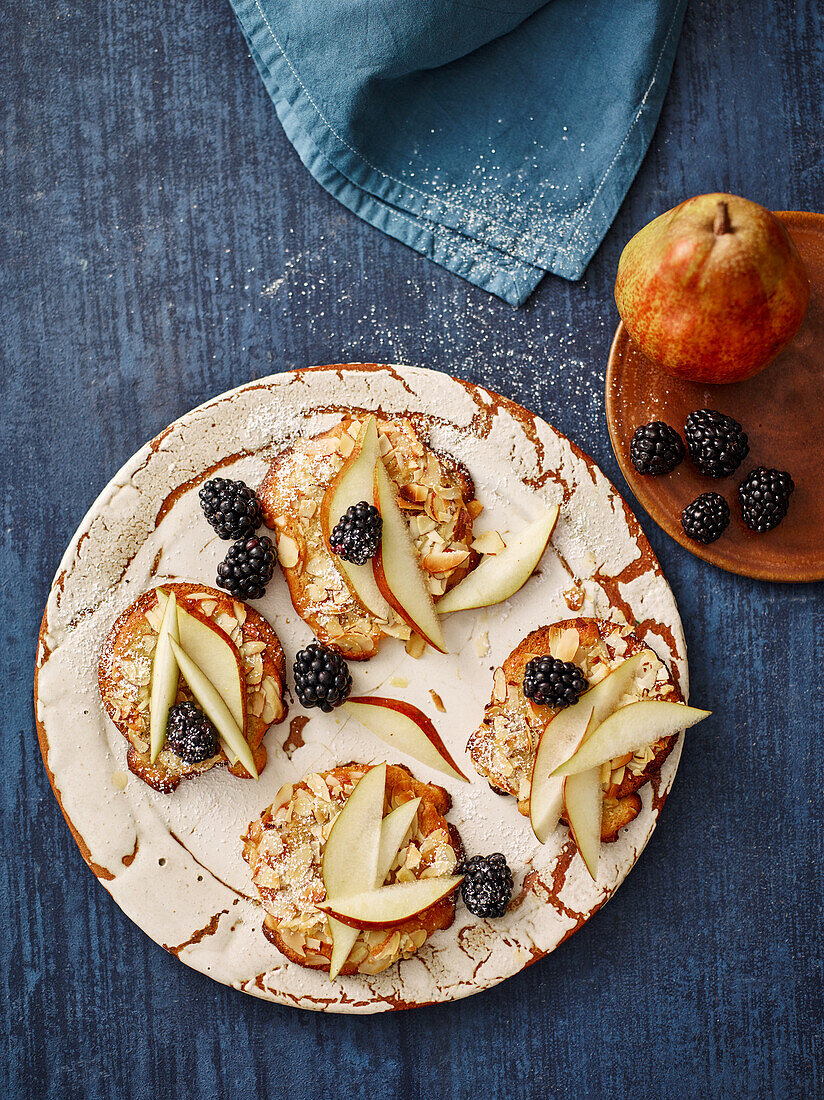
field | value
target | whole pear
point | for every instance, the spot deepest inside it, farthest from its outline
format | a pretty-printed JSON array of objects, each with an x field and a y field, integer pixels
[{"x": 713, "y": 289}]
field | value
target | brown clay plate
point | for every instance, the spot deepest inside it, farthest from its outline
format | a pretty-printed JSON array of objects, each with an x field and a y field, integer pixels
[
  {"x": 781, "y": 409},
  {"x": 173, "y": 862}
]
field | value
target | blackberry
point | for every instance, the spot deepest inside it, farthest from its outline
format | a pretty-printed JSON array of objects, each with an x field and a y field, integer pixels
[
  {"x": 190, "y": 735},
  {"x": 357, "y": 533},
  {"x": 487, "y": 885},
  {"x": 656, "y": 448},
  {"x": 553, "y": 683},
  {"x": 247, "y": 568},
  {"x": 707, "y": 518},
  {"x": 717, "y": 444},
  {"x": 322, "y": 677},
  {"x": 764, "y": 496},
  {"x": 231, "y": 507}
]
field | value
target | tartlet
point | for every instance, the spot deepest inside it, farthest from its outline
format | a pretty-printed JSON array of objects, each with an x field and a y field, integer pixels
[
  {"x": 284, "y": 849},
  {"x": 124, "y": 678}
]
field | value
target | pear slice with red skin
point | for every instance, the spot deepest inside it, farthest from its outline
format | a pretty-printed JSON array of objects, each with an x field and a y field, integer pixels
[
  {"x": 393, "y": 830},
  {"x": 631, "y": 729},
  {"x": 583, "y": 806},
  {"x": 499, "y": 576},
  {"x": 403, "y": 726},
  {"x": 353, "y": 483},
  {"x": 164, "y": 679},
  {"x": 546, "y": 794},
  {"x": 350, "y": 856},
  {"x": 564, "y": 734},
  {"x": 215, "y": 708},
  {"x": 215, "y": 654},
  {"x": 391, "y": 906},
  {"x": 397, "y": 567}
]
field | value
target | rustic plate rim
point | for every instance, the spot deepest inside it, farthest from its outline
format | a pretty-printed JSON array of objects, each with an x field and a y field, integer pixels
[{"x": 103, "y": 875}]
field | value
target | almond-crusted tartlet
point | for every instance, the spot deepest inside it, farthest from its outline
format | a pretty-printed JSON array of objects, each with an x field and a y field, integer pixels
[
  {"x": 436, "y": 493},
  {"x": 125, "y": 669},
  {"x": 503, "y": 747},
  {"x": 284, "y": 849}
]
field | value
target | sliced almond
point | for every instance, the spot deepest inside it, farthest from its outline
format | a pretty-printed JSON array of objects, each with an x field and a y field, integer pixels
[
  {"x": 415, "y": 646},
  {"x": 346, "y": 445},
  {"x": 288, "y": 553},
  {"x": 490, "y": 542},
  {"x": 565, "y": 646},
  {"x": 499, "y": 685},
  {"x": 444, "y": 561}
]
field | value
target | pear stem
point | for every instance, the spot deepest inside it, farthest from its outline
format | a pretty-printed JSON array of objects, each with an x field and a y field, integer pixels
[{"x": 721, "y": 224}]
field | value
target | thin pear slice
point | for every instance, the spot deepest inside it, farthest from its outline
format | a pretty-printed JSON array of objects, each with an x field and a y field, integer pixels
[
  {"x": 394, "y": 828},
  {"x": 165, "y": 675},
  {"x": 404, "y": 727},
  {"x": 583, "y": 805},
  {"x": 213, "y": 652},
  {"x": 562, "y": 736},
  {"x": 500, "y": 576},
  {"x": 546, "y": 794},
  {"x": 390, "y": 906},
  {"x": 350, "y": 857},
  {"x": 353, "y": 483},
  {"x": 397, "y": 567},
  {"x": 215, "y": 708},
  {"x": 630, "y": 729}
]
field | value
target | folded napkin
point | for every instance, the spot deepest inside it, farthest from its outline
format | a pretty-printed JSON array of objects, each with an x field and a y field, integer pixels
[{"x": 497, "y": 137}]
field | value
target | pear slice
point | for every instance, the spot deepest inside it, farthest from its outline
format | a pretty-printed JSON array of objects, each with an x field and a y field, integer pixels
[
  {"x": 215, "y": 708},
  {"x": 164, "y": 678},
  {"x": 630, "y": 729},
  {"x": 353, "y": 483},
  {"x": 390, "y": 906},
  {"x": 397, "y": 568},
  {"x": 393, "y": 831},
  {"x": 350, "y": 857},
  {"x": 394, "y": 828},
  {"x": 565, "y": 733},
  {"x": 546, "y": 794},
  {"x": 500, "y": 576},
  {"x": 404, "y": 727},
  {"x": 583, "y": 805},
  {"x": 213, "y": 652}
]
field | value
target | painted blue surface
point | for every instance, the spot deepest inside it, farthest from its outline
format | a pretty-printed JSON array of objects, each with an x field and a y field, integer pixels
[{"x": 161, "y": 242}]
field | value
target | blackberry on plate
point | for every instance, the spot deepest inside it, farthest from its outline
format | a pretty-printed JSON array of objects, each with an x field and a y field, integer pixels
[
  {"x": 357, "y": 533},
  {"x": 717, "y": 444},
  {"x": 322, "y": 677},
  {"x": 764, "y": 495},
  {"x": 656, "y": 448},
  {"x": 487, "y": 885},
  {"x": 707, "y": 518},
  {"x": 231, "y": 507},
  {"x": 190, "y": 735},
  {"x": 553, "y": 683},
  {"x": 247, "y": 568}
]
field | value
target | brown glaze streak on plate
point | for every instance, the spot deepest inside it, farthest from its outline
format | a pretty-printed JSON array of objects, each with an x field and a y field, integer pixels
[
  {"x": 560, "y": 877},
  {"x": 782, "y": 411}
]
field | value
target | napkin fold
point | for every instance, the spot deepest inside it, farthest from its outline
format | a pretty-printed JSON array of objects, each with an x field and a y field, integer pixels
[{"x": 496, "y": 138}]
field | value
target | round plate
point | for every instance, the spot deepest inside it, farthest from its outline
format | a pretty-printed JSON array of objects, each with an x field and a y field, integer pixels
[
  {"x": 173, "y": 863},
  {"x": 782, "y": 411}
]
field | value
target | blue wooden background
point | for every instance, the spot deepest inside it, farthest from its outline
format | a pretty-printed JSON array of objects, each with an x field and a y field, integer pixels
[{"x": 160, "y": 243}]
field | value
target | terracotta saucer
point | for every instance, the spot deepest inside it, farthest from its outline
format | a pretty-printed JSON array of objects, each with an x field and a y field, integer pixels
[{"x": 781, "y": 409}]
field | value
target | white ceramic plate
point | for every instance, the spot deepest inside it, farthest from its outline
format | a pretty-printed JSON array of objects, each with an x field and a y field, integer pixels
[{"x": 173, "y": 863}]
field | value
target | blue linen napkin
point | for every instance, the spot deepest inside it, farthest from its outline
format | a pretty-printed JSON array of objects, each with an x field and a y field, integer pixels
[{"x": 497, "y": 137}]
